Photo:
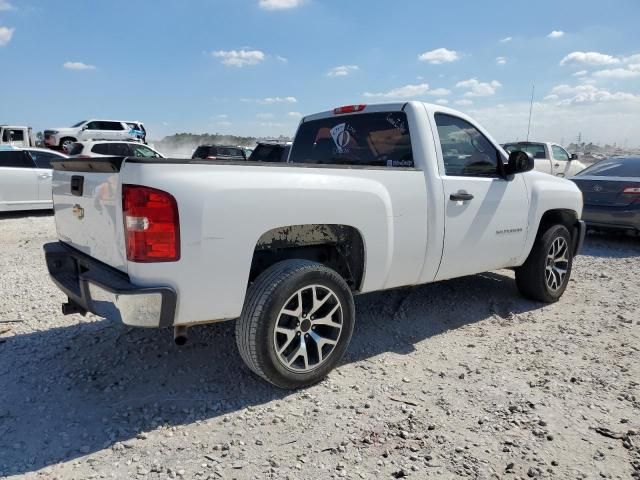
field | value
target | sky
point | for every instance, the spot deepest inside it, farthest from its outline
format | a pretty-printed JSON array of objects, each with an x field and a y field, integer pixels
[{"x": 254, "y": 67}]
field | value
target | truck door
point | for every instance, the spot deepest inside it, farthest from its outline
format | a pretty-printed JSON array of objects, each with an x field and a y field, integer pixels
[
  {"x": 560, "y": 161},
  {"x": 18, "y": 181},
  {"x": 485, "y": 214}
]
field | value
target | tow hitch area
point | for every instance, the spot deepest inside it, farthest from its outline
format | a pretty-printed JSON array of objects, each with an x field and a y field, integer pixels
[{"x": 72, "y": 307}]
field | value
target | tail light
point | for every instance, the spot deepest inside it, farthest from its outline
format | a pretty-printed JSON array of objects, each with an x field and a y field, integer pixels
[
  {"x": 631, "y": 191},
  {"x": 151, "y": 224},
  {"x": 211, "y": 157},
  {"x": 348, "y": 109}
]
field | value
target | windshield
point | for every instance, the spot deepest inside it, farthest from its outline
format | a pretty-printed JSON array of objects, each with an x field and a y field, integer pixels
[
  {"x": 614, "y": 167},
  {"x": 78, "y": 124},
  {"x": 267, "y": 153}
]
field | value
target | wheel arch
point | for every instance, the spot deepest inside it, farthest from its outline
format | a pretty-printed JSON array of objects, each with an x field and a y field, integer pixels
[
  {"x": 560, "y": 216},
  {"x": 337, "y": 246}
]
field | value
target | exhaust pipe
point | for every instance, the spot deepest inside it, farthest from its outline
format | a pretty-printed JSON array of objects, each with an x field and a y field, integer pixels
[{"x": 180, "y": 335}]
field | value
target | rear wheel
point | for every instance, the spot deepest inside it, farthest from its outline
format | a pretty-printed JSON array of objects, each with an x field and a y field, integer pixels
[
  {"x": 296, "y": 323},
  {"x": 545, "y": 274}
]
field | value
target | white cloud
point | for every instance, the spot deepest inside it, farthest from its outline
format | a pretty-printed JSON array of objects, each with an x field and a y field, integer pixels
[
  {"x": 224, "y": 123},
  {"x": 442, "y": 101},
  {"x": 635, "y": 67},
  {"x": 589, "y": 58},
  {"x": 282, "y": 59},
  {"x": 506, "y": 39},
  {"x": 501, "y": 60},
  {"x": 294, "y": 114},
  {"x": 476, "y": 88},
  {"x": 587, "y": 94},
  {"x": 264, "y": 116},
  {"x": 239, "y": 58},
  {"x": 78, "y": 66},
  {"x": 342, "y": 70},
  {"x": 439, "y": 55},
  {"x": 407, "y": 91},
  {"x": 6, "y": 34},
  {"x": 556, "y": 34},
  {"x": 5, "y": 6},
  {"x": 439, "y": 92},
  {"x": 580, "y": 73},
  {"x": 222, "y": 115},
  {"x": 619, "y": 73},
  {"x": 464, "y": 102},
  {"x": 272, "y": 100},
  {"x": 279, "y": 4},
  {"x": 552, "y": 97}
]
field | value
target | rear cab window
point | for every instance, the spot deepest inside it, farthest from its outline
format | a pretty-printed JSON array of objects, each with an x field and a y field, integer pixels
[
  {"x": 378, "y": 139},
  {"x": 537, "y": 150},
  {"x": 204, "y": 152}
]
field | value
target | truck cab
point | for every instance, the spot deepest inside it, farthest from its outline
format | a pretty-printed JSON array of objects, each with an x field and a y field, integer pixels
[{"x": 17, "y": 136}]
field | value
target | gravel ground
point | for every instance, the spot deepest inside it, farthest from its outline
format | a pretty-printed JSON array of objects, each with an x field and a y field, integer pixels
[{"x": 458, "y": 379}]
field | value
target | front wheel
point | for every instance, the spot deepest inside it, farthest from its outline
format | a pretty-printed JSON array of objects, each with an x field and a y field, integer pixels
[
  {"x": 545, "y": 274},
  {"x": 296, "y": 323}
]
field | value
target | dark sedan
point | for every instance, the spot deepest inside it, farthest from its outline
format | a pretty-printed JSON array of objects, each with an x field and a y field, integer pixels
[{"x": 611, "y": 192}]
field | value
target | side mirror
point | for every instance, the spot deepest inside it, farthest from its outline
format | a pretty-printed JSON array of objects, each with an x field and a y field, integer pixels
[
  {"x": 574, "y": 156},
  {"x": 519, "y": 162},
  {"x": 84, "y": 127}
]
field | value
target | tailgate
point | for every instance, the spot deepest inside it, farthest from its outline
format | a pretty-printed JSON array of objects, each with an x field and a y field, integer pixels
[{"x": 87, "y": 201}]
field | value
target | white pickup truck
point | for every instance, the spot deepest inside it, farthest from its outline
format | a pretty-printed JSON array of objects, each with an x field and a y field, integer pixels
[
  {"x": 372, "y": 197},
  {"x": 549, "y": 158}
]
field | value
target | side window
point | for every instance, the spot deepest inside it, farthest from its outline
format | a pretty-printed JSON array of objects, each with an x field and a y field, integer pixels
[
  {"x": 465, "y": 151},
  {"x": 15, "y": 159},
  {"x": 94, "y": 126},
  {"x": 142, "y": 151},
  {"x": 119, "y": 150},
  {"x": 12, "y": 135},
  {"x": 42, "y": 159},
  {"x": 101, "y": 149},
  {"x": 559, "y": 153},
  {"x": 114, "y": 126}
]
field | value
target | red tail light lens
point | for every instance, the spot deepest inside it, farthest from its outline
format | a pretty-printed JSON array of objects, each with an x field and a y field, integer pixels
[
  {"x": 348, "y": 109},
  {"x": 151, "y": 224},
  {"x": 631, "y": 191}
]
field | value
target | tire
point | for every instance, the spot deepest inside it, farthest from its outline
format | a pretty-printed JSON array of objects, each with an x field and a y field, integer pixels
[
  {"x": 296, "y": 297},
  {"x": 539, "y": 278},
  {"x": 65, "y": 144}
]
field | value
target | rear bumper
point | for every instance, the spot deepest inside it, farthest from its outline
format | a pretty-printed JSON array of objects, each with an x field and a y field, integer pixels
[
  {"x": 92, "y": 286},
  {"x": 623, "y": 218}
]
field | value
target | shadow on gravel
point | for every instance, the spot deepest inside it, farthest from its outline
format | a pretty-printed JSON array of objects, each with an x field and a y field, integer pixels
[
  {"x": 25, "y": 214},
  {"x": 611, "y": 244},
  {"x": 71, "y": 391}
]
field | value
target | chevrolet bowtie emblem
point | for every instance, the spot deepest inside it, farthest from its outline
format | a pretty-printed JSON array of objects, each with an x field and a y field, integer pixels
[{"x": 78, "y": 212}]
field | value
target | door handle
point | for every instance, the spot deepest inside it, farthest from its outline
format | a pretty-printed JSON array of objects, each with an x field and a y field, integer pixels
[
  {"x": 460, "y": 196},
  {"x": 44, "y": 175}
]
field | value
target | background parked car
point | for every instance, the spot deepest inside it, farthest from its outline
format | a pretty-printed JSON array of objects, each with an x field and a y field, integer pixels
[
  {"x": 611, "y": 193},
  {"x": 112, "y": 149},
  {"x": 94, "y": 130},
  {"x": 219, "y": 152},
  {"x": 549, "y": 157},
  {"x": 270, "y": 152},
  {"x": 25, "y": 178}
]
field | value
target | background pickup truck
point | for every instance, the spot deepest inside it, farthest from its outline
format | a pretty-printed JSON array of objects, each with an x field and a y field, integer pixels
[
  {"x": 373, "y": 197},
  {"x": 549, "y": 158}
]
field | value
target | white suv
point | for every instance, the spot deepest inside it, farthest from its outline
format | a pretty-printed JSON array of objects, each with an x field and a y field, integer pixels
[
  {"x": 94, "y": 130},
  {"x": 112, "y": 149}
]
